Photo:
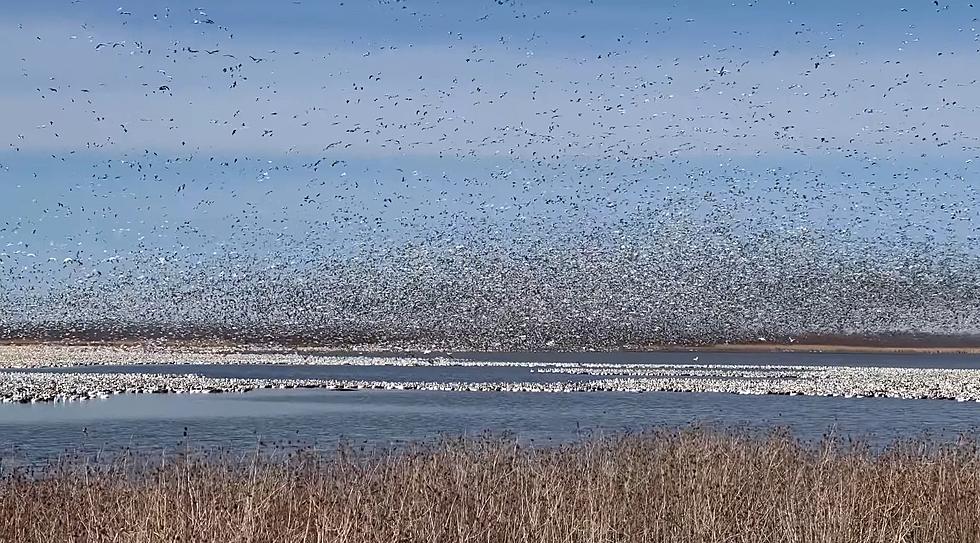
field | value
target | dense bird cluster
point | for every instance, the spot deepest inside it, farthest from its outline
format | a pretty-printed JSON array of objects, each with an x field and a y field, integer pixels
[{"x": 489, "y": 175}]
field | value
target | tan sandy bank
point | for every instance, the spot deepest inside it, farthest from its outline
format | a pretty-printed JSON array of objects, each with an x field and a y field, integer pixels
[{"x": 816, "y": 348}]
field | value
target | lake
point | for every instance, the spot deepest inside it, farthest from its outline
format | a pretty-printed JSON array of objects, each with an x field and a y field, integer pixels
[{"x": 384, "y": 417}]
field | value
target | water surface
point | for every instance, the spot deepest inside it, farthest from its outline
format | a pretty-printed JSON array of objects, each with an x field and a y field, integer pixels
[{"x": 379, "y": 417}]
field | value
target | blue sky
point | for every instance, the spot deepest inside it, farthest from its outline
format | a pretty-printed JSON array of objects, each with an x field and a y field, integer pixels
[{"x": 477, "y": 116}]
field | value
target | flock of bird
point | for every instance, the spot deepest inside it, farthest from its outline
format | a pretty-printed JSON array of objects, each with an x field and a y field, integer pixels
[{"x": 489, "y": 175}]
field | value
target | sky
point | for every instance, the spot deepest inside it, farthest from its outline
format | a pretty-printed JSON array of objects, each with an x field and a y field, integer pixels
[
  {"x": 202, "y": 128},
  {"x": 603, "y": 65}
]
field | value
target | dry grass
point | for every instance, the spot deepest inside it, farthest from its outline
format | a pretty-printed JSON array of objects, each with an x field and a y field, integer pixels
[{"x": 689, "y": 485}]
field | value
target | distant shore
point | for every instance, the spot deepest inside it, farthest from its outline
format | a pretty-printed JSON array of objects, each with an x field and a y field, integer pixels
[
  {"x": 23, "y": 375},
  {"x": 179, "y": 336},
  {"x": 854, "y": 346},
  {"x": 815, "y": 348}
]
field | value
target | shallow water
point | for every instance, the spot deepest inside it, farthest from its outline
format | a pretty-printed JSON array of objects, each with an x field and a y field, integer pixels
[
  {"x": 376, "y": 417},
  {"x": 380, "y": 417},
  {"x": 886, "y": 360}
]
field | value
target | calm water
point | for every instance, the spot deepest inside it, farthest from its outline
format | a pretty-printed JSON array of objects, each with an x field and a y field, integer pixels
[
  {"x": 910, "y": 360},
  {"x": 322, "y": 418}
]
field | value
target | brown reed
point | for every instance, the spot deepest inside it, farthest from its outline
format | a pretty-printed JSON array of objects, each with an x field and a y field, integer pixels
[{"x": 687, "y": 485}]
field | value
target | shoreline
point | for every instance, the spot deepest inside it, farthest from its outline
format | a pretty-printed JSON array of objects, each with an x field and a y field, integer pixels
[
  {"x": 24, "y": 379},
  {"x": 813, "y": 348},
  {"x": 225, "y": 347},
  {"x": 25, "y": 376}
]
